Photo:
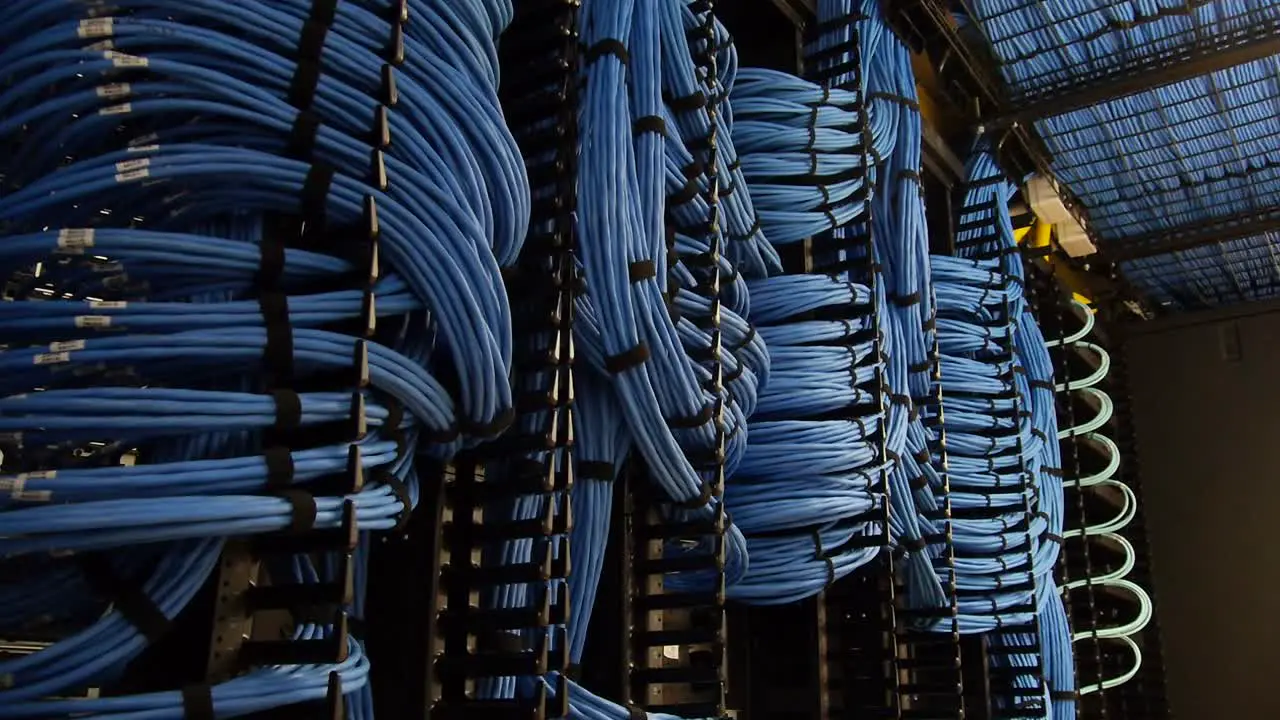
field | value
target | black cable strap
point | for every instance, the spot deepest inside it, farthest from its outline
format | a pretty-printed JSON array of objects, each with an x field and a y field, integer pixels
[
  {"x": 899, "y": 99},
  {"x": 1042, "y": 385},
  {"x": 700, "y": 501},
  {"x": 402, "y": 494},
  {"x": 315, "y": 192},
  {"x": 686, "y": 103},
  {"x": 642, "y": 270},
  {"x": 608, "y": 46},
  {"x": 128, "y": 598},
  {"x": 627, "y": 360},
  {"x": 906, "y": 300},
  {"x": 747, "y": 339},
  {"x": 914, "y": 544},
  {"x": 491, "y": 428},
  {"x": 686, "y": 194},
  {"x": 288, "y": 409},
  {"x": 280, "y": 468},
  {"x": 692, "y": 421},
  {"x": 197, "y": 702},
  {"x": 920, "y": 367},
  {"x": 919, "y": 482},
  {"x": 650, "y": 124},
  {"x": 277, "y": 354},
  {"x": 750, "y": 233},
  {"x": 302, "y": 136},
  {"x": 302, "y": 510},
  {"x": 595, "y": 470}
]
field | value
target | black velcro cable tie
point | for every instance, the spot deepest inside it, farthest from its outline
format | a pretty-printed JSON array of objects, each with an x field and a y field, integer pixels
[
  {"x": 277, "y": 354},
  {"x": 624, "y": 361},
  {"x": 685, "y": 194},
  {"x": 735, "y": 373},
  {"x": 128, "y": 598},
  {"x": 1063, "y": 696},
  {"x": 893, "y": 456},
  {"x": 609, "y": 46},
  {"x": 747, "y": 339},
  {"x": 1042, "y": 385},
  {"x": 288, "y": 409},
  {"x": 931, "y": 324},
  {"x": 302, "y": 136},
  {"x": 315, "y": 192},
  {"x": 271, "y": 259},
  {"x": 197, "y": 702},
  {"x": 914, "y": 544},
  {"x": 911, "y": 175},
  {"x": 636, "y": 713},
  {"x": 306, "y": 78},
  {"x": 899, "y": 399},
  {"x": 920, "y": 367},
  {"x": 642, "y": 270},
  {"x": 906, "y": 300},
  {"x": 491, "y": 428},
  {"x": 750, "y": 233},
  {"x": 391, "y": 425},
  {"x": 302, "y": 510},
  {"x": 899, "y": 99},
  {"x": 280, "y": 466},
  {"x": 686, "y": 103},
  {"x": 697, "y": 420},
  {"x": 700, "y": 501},
  {"x": 595, "y": 470},
  {"x": 923, "y": 457},
  {"x": 919, "y": 482},
  {"x": 401, "y": 492},
  {"x": 1054, "y": 537},
  {"x": 650, "y": 124}
]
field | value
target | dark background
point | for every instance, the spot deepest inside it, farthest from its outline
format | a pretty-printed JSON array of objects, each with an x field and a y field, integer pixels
[{"x": 1205, "y": 399}]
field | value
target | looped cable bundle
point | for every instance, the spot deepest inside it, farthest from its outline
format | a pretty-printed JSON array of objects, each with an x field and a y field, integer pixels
[{"x": 253, "y": 251}]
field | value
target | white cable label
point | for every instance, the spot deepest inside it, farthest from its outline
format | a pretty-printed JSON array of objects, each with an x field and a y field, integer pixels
[
  {"x": 125, "y": 60},
  {"x": 127, "y": 166},
  {"x": 100, "y": 46},
  {"x": 132, "y": 175},
  {"x": 108, "y": 304},
  {"x": 96, "y": 28},
  {"x": 114, "y": 91},
  {"x": 121, "y": 109},
  {"x": 32, "y": 496},
  {"x": 18, "y": 483},
  {"x": 107, "y": 267},
  {"x": 66, "y": 346},
  {"x": 75, "y": 238},
  {"x": 93, "y": 321},
  {"x": 53, "y": 358},
  {"x": 142, "y": 148},
  {"x": 147, "y": 139}
]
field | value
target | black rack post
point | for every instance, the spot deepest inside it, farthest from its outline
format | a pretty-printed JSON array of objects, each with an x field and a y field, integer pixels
[{"x": 677, "y": 639}]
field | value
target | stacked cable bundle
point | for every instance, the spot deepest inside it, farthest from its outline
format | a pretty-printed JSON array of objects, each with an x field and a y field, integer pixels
[
  {"x": 805, "y": 158},
  {"x": 243, "y": 241}
]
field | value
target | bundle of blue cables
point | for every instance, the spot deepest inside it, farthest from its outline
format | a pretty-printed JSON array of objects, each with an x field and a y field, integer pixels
[
  {"x": 1166, "y": 156},
  {"x": 156, "y": 147}
]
